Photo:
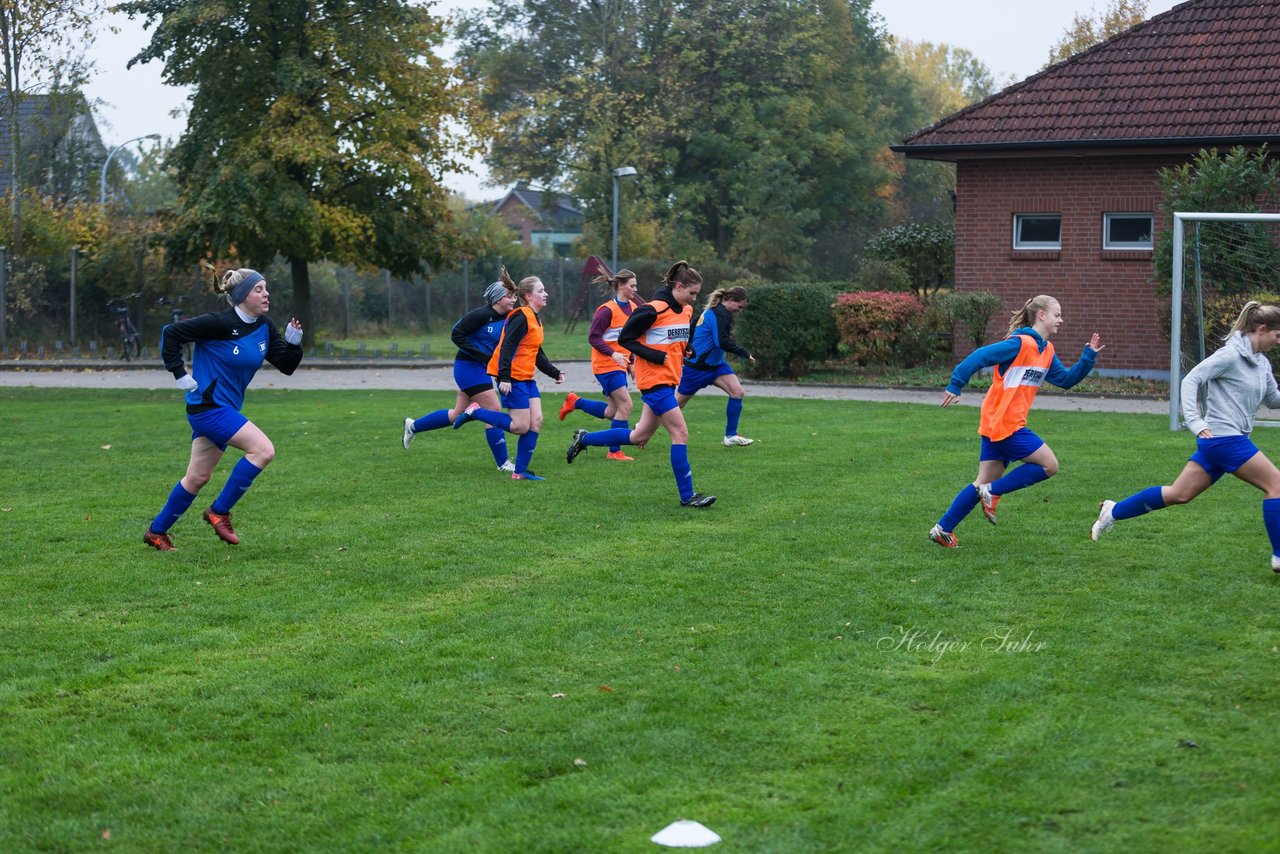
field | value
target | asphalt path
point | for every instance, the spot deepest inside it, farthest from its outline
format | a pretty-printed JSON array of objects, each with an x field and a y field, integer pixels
[{"x": 438, "y": 376}]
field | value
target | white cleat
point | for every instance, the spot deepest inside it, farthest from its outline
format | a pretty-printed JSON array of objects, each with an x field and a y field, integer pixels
[
  {"x": 508, "y": 467},
  {"x": 408, "y": 433},
  {"x": 1105, "y": 521},
  {"x": 731, "y": 441},
  {"x": 1275, "y": 563}
]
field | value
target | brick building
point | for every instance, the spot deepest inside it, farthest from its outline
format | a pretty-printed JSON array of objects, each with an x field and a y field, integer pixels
[{"x": 1056, "y": 176}]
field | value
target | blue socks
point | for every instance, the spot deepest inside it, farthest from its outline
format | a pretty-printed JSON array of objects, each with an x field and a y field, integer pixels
[
  {"x": 680, "y": 468},
  {"x": 1140, "y": 503},
  {"x": 497, "y": 440},
  {"x": 524, "y": 450},
  {"x": 594, "y": 408},
  {"x": 241, "y": 479},
  {"x": 1271, "y": 518},
  {"x": 1027, "y": 474},
  {"x": 619, "y": 424},
  {"x": 179, "y": 501},
  {"x": 432, "y": 421},
  {"x": 501, "y": 420},
  {"x": 966, "y": 499},
  {"x": 613, "y": 438},
  {"x": 732, "y": 411}
]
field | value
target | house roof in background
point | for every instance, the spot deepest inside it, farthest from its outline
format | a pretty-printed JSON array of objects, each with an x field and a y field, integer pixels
[
  {"x": 1205, "y": 72},
  {"x": 552, "y": 208}
]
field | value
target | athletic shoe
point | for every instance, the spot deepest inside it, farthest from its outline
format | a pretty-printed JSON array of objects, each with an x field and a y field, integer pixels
[
  {"x": 1106, "y": 520},
  {"x": 408, "y": 433},
  {"x": 221, "y": 523},
  {"x": 570, "y": 401},
  {"x": 507, "y": 468},
  {"x": 164, "y": 544},
  {"x": 698, "y": 500},
  {"x": 576, "y": 446},
  {"x": 730, "y": 441},
  {"x": 989, "y": 502},
  {"x": 946, "y": 539},
  {"x": 525, "y": 475},
  {"x": 468, "y": 414},
  {"x": 1275, "y": 563},
  {"x": 619, "y": 455}
]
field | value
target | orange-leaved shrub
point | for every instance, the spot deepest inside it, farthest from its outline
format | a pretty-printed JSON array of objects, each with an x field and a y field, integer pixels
[{"x": 870, "y": 323}]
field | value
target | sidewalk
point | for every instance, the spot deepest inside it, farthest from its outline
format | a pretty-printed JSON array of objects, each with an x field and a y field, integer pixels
[{"x": 437, "y": 375}]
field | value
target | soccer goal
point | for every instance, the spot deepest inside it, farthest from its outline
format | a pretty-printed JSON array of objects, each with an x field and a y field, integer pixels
[{"x": 1220, "y": 261}]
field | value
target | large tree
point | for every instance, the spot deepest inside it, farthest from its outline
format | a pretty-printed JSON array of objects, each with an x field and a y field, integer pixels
[
  {"x": 317, "y": 130},
  {"x": 43, "y": 43},
  {"x": 758, "y": 126}
]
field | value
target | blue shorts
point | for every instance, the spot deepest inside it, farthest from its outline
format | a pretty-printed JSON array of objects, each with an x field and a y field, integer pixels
[
  {"x": 611, "y": 381},
  {"x": 694, "y": 380},
  {"x": 1018, "y": 446},
  {"x": 661, "y": 399},
  {"x": 1223, "y": 454},
  {"x": 216, "y": 425},
  {"x": 522, "y": 391},
  {"x": 471, "y": 377}
]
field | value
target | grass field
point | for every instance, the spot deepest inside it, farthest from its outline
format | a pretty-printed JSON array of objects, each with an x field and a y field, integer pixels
[{"x": 410, "y": 651}]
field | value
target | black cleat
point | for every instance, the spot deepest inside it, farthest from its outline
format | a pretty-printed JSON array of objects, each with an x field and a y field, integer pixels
[
  {"x": 576, "y": 446},
  {"x": 698, "y": 500}
]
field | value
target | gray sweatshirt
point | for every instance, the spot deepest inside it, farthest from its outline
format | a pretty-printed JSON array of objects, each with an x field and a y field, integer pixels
[{"x": 1238, "y": 380}]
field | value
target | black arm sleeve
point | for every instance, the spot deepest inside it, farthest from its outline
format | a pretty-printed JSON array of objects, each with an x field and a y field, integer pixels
[
  {"x": 203, "y": 327},
  {"x": 468, "y": 323},
  {"x": 544, "y": 365},
  {"x": 285, "y": 356},
  {"x": 635, "y": 327},
  {"x": 517, "y": 327},
  {"x": 727, "y": 342}
]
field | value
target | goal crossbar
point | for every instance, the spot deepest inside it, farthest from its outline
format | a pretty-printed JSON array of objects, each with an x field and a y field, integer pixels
[{"x": 1180, "y": 219}]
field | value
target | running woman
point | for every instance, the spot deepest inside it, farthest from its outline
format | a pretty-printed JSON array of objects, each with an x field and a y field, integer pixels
[
  {"x": 229, "y": 348},
  {"x": 705, "y": 364},
  {"x": 518, "y": 352},
  {"x": 658, "y": 334},
  {"x": 1237, "y": 379},
  {"x": 476, "y": 336},
  {"x": 609, "y": 362},
  {"x": 1022, "y": 361}
]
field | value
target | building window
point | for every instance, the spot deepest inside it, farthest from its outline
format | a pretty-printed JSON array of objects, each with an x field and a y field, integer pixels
[
  {"x": 1037, "y": 231},
  {"x": 1127, "y": 230}
]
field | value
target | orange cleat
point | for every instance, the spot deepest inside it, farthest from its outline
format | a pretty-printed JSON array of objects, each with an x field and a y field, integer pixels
[
  {"x": 989, "y": 502},
  {"x": 222, "y": 526},
  {"x": 159, "y": 541},
  {"x": 946, "y": 539},
  {"x": 619, "y": 455},
  {"x": 570, "y": 401}
]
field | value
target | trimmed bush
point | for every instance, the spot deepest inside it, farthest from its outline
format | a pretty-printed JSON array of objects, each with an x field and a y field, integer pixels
[
  {"x": 788, "y": 325},
  {"x": 972, "y": 308},
  {"x": 869, "y": 323}
]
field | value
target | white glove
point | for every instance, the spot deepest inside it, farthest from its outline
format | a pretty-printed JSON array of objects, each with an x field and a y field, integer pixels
[
  {"x": 292, "y": 334},
  {"x": 186, "y": 382}
]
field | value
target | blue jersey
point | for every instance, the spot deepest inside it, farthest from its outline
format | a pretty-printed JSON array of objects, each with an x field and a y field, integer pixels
[
  {"x": 712, "y": 336},
  {"x": 226, "y": 354},
  {"x": 476, "y": 334}
]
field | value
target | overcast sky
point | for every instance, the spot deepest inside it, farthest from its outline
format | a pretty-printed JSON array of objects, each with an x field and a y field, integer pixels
[{"x": 1012, "y": 37}]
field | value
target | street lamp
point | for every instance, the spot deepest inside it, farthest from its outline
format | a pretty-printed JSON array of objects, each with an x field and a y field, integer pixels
[
  {"x": 620, "y": 172},
  {"x": 102, "y": 183}
]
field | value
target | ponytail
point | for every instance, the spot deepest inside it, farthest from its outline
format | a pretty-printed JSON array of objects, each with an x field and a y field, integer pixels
[
  {"x": 1253, "y": 315},
  {"x": 1026, "y": 316}
]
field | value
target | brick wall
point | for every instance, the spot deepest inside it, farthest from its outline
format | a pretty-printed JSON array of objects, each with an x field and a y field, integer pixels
[{"x": 1112, "y": 293}]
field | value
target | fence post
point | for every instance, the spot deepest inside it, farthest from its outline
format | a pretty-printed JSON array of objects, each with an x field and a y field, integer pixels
[
  {"x": 346, "y": 306},
  {"x": 386, "y": 277},
  {"x": 72, "y": 304},
  {"x": 4, "y": 270}
]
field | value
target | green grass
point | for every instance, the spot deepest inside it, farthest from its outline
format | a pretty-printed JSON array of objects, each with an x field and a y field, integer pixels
[
  {"x": 411, "y": 652},
  {"x": 558, "y": 345}
]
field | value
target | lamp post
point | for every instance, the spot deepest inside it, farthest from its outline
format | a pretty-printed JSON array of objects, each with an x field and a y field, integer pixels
[
  {"x": 102, "y": 182},
  {"x": 620, "y": 172}
]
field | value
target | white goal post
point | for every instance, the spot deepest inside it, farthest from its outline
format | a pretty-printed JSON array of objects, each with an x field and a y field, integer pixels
[{"x": 1175, "y": 325}]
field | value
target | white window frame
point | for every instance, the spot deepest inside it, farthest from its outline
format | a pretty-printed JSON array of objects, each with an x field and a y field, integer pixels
[
  {"x": 1036, "y": 245},
  {"x": 1134, "y": 245}
]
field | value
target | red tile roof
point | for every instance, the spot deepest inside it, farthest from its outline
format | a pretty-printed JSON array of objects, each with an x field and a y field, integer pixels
[{"x": 1203, "y": 72}]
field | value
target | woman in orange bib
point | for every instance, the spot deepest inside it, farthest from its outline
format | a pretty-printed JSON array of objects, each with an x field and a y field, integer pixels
[
  {"x": 1022, "y": 361},
  {"x": 518, "y": 353}
]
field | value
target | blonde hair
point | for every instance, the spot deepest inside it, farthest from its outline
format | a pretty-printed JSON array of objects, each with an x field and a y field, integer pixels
[
  {"x": 1253, "y": 315},
  {"x": 719, "y": 295},
  {"x": 1026, "y": 316},
  {"x": 521, "y": 291},
  {"x": 227, "y": 283},
  {"x": 682, "y": 274},
  {"x": 610, "y": 284}
]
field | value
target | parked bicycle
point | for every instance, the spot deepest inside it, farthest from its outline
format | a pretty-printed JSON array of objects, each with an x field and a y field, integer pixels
[{"x": 130, "y": 340}]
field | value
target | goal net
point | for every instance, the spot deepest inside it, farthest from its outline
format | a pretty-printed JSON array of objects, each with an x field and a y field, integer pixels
[{"x": 1220, "y": 262}]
